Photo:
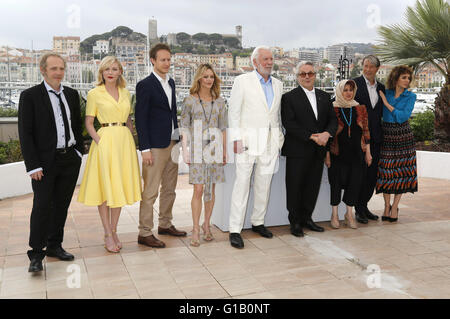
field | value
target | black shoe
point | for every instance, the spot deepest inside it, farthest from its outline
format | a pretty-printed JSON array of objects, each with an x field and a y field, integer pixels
[
  {"x": 392, "y": 220},
  {"x": 312, "y": 226},
  {"x": 361, "y": 218},
  {"x": 262, "y": 230},
  {"x": 371, "y": 216},
  {"x": 59, "y": 253},
  {"x": 387, "y": 218},
  {"x": 297, "y": 230},
  {"x": 236, "y": 240},
  {"x": 35, "y": 265}
]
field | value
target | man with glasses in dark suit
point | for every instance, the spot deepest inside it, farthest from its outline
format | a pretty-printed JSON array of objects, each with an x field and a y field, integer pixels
[
  {"x": 308, "y": 116},
  {"x": 52, "y": 147}
]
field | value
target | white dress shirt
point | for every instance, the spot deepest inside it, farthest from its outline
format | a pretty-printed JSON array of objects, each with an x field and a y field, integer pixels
[
  {"x": 59, "y": 122},
  {"x": 373, "y": 94},
  {"x": 168, "y": 90},
  {"x": 166, "y": 86},
  {"x": 312, "y": 99}
]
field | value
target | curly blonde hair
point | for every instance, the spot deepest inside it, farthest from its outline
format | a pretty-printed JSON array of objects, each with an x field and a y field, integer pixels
[
  {"x": 395, "y": 75},
  {"x": 104, "y": 64}
]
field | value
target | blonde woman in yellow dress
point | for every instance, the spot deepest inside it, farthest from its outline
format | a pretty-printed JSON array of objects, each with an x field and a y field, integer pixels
[{"x": 111, "y": 178}]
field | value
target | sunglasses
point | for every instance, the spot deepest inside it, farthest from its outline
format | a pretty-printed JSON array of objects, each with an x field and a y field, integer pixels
[{"x": 303, "y": 74}]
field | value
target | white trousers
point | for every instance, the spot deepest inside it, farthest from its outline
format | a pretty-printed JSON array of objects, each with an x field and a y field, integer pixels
[{"x": 265, "y": 166}]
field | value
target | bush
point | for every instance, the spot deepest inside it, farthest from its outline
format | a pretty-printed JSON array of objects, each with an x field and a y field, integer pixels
[
  {"x": 422, "y": 125},
  {"x": 10, "y": 152},
  {"x": 8, "y": 112}
]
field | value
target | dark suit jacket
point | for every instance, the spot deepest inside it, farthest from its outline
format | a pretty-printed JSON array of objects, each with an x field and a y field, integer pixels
[
  {"x": 37, "y": 126},
  {"x": 375, "y": 114},
  {"x": 300, "y": 122},
  {"x": 153, "y": 116}
]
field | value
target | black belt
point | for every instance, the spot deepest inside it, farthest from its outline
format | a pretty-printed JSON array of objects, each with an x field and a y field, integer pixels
[
  {"x": 113, "y": 124},
  {"x": 64, "y": 150}
]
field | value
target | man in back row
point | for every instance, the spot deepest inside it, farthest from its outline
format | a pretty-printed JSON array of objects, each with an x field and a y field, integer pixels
[{"x": 368, "y": 94}]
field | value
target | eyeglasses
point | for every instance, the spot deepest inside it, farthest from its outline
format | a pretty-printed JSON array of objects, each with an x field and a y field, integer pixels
[{"x": 309, "y": 74}]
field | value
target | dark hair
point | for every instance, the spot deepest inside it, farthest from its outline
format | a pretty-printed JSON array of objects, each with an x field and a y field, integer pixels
[
  {"x": 351, "y": 84},
  {"x": 395, "y": 75},
  {"x": 158, "y": 47}
]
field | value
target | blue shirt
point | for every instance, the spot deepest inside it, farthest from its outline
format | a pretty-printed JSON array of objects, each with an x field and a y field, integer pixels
[
  {"x": 267, "y": 88},
  {"x": 403, "y": 106}
]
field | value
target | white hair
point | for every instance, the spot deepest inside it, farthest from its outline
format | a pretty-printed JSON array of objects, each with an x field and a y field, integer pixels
[
  {"x": 302, "y": 63},
  {"x": 255, "y": 53}
]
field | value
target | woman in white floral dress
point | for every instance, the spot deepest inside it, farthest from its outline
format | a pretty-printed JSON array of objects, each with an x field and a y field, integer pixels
[{"x": 203, "y": 126}]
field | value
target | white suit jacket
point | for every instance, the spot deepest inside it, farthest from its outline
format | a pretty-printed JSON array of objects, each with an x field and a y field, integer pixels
[{"x": 250, "y": 118}]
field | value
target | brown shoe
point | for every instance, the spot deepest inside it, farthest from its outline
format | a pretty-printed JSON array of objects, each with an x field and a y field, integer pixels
[
  {"x": 151, "y": 241},
  {"x": 171, "y": 231}
]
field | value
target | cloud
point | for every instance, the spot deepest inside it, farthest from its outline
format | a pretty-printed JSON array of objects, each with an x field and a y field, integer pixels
[{"x": 285, "y": 23}]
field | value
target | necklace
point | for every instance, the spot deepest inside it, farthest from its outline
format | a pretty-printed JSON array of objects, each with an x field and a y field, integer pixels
[
  {"x": 207, "y": 120},
  {"x": 345, "y": 119}
]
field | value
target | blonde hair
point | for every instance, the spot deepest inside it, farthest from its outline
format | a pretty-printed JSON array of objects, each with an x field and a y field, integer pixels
[
  {"x": 195, "y": 88},
  {"x": 104, "y": 64}
]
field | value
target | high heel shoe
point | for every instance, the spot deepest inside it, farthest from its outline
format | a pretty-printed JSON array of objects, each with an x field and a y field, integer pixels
[
  {"x": 335, "y": 223},
  {"x": 118, "y": 243},
  {"x": 195, "y": 242},
  {"x": 387, "y": 218},
  {"x": 207, "y": 235},
  {"x": 392, "y": 220},
  {"x": 107, "y": 249},
  {"x": 349, "y": 223}
]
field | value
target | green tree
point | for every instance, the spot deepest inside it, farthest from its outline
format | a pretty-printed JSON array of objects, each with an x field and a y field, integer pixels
[
  {"x": 232, "y": 42},
  {"x": 424, "y": 39},
  {"x": 215, "y": 38},
  {"x": 121, "y": 31},
  {"x": 183, "y": 37},
  {"x": 356, "y": 71},
  {"x": 200, "y": 37}
]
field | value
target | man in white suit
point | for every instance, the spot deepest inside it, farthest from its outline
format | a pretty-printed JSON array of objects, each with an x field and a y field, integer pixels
[{"x": 255, "y": 128}]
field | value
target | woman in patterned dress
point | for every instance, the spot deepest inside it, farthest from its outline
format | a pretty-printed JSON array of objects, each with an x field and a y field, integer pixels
[
  {"x": 397, "y": 171},
  {"x": 203, "y": 123}
]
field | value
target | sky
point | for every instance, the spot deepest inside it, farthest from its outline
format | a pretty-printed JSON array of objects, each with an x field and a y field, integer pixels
[{"x": 285, "y": 23}]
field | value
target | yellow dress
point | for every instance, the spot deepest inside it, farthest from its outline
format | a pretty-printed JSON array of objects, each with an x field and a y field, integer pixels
[{"x": 112, "y": 169}]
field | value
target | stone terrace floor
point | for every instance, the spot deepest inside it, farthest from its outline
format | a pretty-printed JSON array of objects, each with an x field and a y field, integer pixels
[{"x": 413, "y": 256}]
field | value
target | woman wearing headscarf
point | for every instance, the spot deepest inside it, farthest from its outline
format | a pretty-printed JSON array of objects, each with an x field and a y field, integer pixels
[{"x": 348, "y": 149}]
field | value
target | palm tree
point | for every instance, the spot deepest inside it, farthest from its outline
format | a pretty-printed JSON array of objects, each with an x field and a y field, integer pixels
[{"x": 424, "y": 39}]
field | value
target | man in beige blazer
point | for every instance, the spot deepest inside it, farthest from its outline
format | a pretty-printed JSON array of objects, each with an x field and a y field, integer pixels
[{"x": 255, "y": 128}]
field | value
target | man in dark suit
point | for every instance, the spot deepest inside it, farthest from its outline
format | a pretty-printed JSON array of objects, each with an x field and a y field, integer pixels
[
  {"x": 368, "y": 94},
  {"x": 157, "y": 128},
  {"x": 309, "y": 119},
  {"x": 52, "y": 147}
]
